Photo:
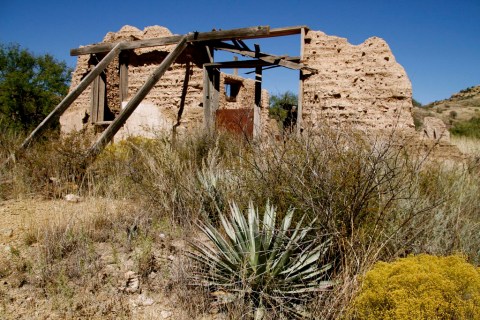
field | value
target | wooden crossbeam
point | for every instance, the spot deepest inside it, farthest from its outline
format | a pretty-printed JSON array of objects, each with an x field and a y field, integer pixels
[
  {"x": 238, "y": 34},
  {"x": 242, "y": 33},
  {"x": 272, "y": 59},
  {"x": 119, "y": 121},
  {"x": 240, "y": 64}
]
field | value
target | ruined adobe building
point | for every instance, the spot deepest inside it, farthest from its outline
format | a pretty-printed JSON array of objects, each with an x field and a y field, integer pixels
[
  {"x": 175, "y": 103},
  {"x": 357, "y": 85}
]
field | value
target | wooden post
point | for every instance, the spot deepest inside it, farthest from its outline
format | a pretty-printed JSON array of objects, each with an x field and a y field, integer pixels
[
  {"x": 67, "y": 101},
  {"x": 211, "y": 87},
  {"x": 258, "y": 103},
  {"x": 113, "y": 128},
  {"x": 98, "y": 99},
  {"x": 207, "y": 119},
  {"x": 300, "y": 84},
  {"x": 235, "y": 71},
  {"x": 123, "y": 77}
]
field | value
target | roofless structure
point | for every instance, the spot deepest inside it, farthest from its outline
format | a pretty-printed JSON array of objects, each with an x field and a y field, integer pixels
[{"x": 339, "y": 82}]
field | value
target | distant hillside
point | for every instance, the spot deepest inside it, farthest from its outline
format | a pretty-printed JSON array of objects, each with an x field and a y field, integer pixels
[{"x": 460, "y": 107}]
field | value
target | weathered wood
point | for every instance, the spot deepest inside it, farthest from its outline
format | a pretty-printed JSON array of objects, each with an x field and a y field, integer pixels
[
  {"x": 113, "y": 128},
  {"x": 285, "y": 31},
  {"x": 98, "y": 99},
  {"x": 123, "y": 77},
  {"x": 242, "y": 33},
  {"x": 67, "y": 101},
  {"x": 243, "y": 64},
  {"x": 94, "y": 101},
  {"x": 210, "y": 53},
  {"x": 257, "y": 111},
  {"x": 206, "y": 99},
  {"x": 272, "y": 59},
  {"x": 211, "y": 87},
  {"x": 102, "y": 88},
  {"x": 300, "y": 85}
]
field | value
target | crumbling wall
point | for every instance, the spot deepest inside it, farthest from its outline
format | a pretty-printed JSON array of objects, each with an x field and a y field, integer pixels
[
  {"x": 245, "y": 97},
  {"x": 177, "y": 96},
  {"x": 361, "y": 86}
]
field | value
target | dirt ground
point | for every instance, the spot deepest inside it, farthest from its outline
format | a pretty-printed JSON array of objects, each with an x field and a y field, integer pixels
[{"x": 115, "y": 291}]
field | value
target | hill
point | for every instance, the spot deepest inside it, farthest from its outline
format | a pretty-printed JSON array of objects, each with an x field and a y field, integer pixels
[{"x": 461, "y": 106}]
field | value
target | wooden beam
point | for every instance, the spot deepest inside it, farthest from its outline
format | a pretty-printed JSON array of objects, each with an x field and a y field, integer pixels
[
  {"x": 257, "y": 111},
  {"x": 242, "y": 64},
  {"x": 211, "y": 89},
  {"x": 300, "y": 85},
  {"x": 281, "y": 32},
  {"x": 113, "y": 128},
  {"x": 67, "y": 101},
  {"x": 210, "y": 53},
  {"x": 123, "y": 77},
  {"x": 98, "y": 98},
  {"x": 242, "y": 33},
  {"x": 272, "y": 59}
]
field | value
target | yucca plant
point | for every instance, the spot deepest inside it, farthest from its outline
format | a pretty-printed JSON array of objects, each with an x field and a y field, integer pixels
[{"x": 272, "y": 267}]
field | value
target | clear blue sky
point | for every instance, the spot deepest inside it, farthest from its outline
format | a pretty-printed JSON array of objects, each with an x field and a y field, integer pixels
[{"x": 437, "y": 42}]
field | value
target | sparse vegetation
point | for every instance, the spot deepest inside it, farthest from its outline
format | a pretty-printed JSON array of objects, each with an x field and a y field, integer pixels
[
  {"x": 375, "y": 198},
  {"x": 283, "y": 108},
  {"x": 470, "y": 128}
]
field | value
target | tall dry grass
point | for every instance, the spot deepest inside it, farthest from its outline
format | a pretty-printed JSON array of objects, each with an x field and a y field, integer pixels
[{"x": 376, "y": 197}]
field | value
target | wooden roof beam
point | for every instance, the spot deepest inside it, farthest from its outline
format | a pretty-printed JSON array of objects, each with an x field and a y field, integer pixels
[
  {"x": 238, "y": 34},
  {"x": 242, "y": 33},
  {"x": 272, "y": 59},
  {"x": 239, "y": 64}
]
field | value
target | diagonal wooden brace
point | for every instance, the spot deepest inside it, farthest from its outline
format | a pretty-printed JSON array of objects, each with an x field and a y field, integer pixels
[{"x": 120, "y": 120}]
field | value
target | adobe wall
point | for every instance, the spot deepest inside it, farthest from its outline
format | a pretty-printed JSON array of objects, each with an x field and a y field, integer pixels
[
  {"x": 361, "y": 86},
  {"x": 176, "y": 101},
  {"x": 245, "y": 97},
  {"x": 178, "y": 93}
]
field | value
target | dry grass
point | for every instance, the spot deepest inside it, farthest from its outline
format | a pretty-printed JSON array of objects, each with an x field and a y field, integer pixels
[
  {"x": 376, "y": 198},
  {"x": 469, "y": 146}
]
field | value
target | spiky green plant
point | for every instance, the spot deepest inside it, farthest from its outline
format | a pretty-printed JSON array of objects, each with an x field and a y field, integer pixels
[{"x": 271, "y": 267}]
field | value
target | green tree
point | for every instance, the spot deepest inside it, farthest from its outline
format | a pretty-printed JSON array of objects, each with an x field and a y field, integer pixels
[
  {"x": 283, "y": 108},
  {"x": 30, "y": 86},
  {"x": 416, "y": 103}
]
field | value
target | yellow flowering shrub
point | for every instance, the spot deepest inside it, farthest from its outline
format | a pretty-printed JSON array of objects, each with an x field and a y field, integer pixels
[{"x": 419, "y": 287}]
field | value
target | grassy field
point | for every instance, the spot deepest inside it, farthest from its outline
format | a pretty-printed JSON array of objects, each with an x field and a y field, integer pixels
[{"x": 122, "y": 250}]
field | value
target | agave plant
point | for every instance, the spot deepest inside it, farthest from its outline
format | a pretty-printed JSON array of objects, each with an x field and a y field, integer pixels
[{"x": 273, "y": 267}]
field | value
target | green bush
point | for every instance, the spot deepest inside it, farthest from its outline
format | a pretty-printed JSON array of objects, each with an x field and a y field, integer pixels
[
  {"x": 420, "y": 287},
  {"x": 470, "y": 128}
]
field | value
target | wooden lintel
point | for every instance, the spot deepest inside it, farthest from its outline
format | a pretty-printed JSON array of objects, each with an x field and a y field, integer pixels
[
  {"x": 286, "y": 31},
  {"x": 242, "y": 33}
]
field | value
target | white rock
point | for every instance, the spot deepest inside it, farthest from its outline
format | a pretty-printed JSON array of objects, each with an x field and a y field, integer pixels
[
  {"x": 8, "y": 233},
  {"x": 165, "y": 314},
  {"x": 73, "y": 198}
]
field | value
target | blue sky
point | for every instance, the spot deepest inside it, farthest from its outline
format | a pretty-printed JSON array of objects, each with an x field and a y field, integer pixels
[{"x": 437, "y": 42}]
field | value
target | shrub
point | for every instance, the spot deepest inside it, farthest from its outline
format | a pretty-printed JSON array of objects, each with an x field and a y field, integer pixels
[
  {"x": 470, "y": 128},
  {"x": 420, "y": 287},
  {"x": 271, "y": 268}
]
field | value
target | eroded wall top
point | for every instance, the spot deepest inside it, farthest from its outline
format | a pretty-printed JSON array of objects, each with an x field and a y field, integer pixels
[{"x": 358, "y": 85}]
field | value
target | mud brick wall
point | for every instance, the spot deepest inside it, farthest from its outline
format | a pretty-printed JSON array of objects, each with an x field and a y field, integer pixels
[
  {"x": 175, "y": 101},
  {"x": 361, "y": 86}
]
